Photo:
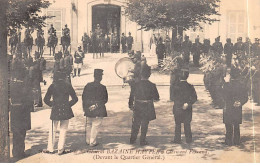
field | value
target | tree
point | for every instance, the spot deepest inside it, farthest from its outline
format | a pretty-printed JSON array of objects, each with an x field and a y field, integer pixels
[
  {"x": 13, "y": 14},
  {"x": 158, "y": 14}
]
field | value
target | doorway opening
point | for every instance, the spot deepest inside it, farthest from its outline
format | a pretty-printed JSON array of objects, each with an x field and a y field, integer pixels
[{"x": 108, "y": 17}]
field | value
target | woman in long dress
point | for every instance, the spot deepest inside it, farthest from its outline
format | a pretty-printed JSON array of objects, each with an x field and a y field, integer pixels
[{"x": 153, "y": 41}]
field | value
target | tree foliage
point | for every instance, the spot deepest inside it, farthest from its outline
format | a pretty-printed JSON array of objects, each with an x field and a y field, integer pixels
[
  {"x": 26, "y": 13},
  {"x": 152, "y": 14}
]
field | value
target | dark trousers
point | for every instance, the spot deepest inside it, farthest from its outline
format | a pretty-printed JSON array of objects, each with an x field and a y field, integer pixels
[
  {"x": 85, "y": 47},
  {"x": 131, "y": 97},
  {"x": 186, "y": 58},
  {"x": 129, "y": 47},
  {"x": 18, "y": 142},
  {"x": 187, "y": 132},
  {"x": 196, "y": 60},
  {"x": 123, "y": 48},
  {"x": 232, "y": 134},
  {"x": 228, "y": 60},
  {"x": 38, "y": 93},
  {"x": 136, "y": 124}
]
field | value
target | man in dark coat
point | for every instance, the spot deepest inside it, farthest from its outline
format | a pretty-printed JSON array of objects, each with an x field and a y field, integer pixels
[
  {"x": 129, "y": 42},
  {"x": 228, "y": 51},
  {"x": 196, "y": 51},
  {"x": 94, "y": 98},
  {"x": 37, "y": 79},
  {"x": 239, "y": 47},
  {"x": 248, "y": 46},
  {"x": 217, "y": 46},
  {"x": 160, "y": 51},
  {"x": 184, "y": 97},
  {"x": 206, "y": 46},
  {"x": 256, "y": 48},
  {"x": 186, "y": 49},
  {"x": 60, "y": 91},
  {"x": 235, "y": 96},
  {"x": 123, "y": 43},
  {"x": 145, "y": 94},
  {"x": 21, "y": 105}
]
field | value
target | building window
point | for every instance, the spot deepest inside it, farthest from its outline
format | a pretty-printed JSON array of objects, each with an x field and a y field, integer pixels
[
  {"x": 236, "y": 25},
  {"x": 56, "y": 21}
]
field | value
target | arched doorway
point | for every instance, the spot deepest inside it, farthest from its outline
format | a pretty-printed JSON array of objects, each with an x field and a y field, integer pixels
[{"x": 108, "y": 17}]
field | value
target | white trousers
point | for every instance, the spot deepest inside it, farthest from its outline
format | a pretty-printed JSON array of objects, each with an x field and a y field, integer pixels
[
  {"x": 52, "y": 133},
  {"x": 77, "y": 65},
  {"x": 92, "y": 129}
]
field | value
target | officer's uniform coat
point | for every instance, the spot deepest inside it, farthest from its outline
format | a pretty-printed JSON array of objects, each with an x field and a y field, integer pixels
[
  {"x": 184, "y": 93},
  {"x": 145, "y": 93},
  {"x": 233, "y": 91},
  {"x": 95, "y": 93},
  {"x": 61, "y": 105}
]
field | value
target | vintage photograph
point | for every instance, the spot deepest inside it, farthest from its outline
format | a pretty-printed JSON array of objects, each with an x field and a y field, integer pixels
[{"x": 129, "y": 81}]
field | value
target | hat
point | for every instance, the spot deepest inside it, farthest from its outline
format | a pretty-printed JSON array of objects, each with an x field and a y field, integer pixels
[
  {"x": 98, "y": 72},
  {"x": 256, "y": 39},
  {"x": 239, "y": 38}
]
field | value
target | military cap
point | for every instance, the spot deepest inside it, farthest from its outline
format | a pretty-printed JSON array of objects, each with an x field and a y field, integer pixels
[
  {"x": 98, "y": 72},
  {"x": 239, "y": 38},
  {"x": 256, "y": 39}
]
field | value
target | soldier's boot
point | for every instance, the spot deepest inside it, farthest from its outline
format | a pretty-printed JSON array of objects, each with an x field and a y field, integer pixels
[
  {"x": 79, "y": 72},
  {"x": 75, "y": 72}
]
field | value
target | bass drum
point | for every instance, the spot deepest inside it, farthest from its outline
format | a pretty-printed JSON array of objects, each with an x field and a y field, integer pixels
[{"x": 123, "y": 69}]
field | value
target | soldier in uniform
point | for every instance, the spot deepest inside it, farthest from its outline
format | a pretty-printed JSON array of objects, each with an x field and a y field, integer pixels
[
  {"x": 248, "y": 46},
  {"x": 160, "y": 51},
  {"x": 186, "y": 49},
  {"x": 144, "y": 95},
  {"x": 66, "y": 31},
  {"x": 239, "y": 47},
  {"x": 51, "y": 30},
  {"x": 37, "y": 79},
  {"x": 228, "y": 51},
  {"x": 206, "y": 46},
  {"x": 78, "y": 61},
  {"x": 123, "y": 43},
  {"x": 129, "y": 42},
  {"x": 21, "y": 105},
  {"x": 60, "y": 91},
  {"x": 94, "y": 98},
  {"x": 196, "y": 51},
  {"x": 85, "y": 40},
  {"x": 68, "y": 60},
  {"x": 184, "y": 97},
  {"x": 235, "y": 96},
  {"x": 40, "y": 32},
  {"x": 217, "y": 46},
  {"x": 256, "y": 48}
]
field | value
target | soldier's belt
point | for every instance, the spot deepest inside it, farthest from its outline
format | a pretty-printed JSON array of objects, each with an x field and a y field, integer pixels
[{"x": 144, "y": 101}]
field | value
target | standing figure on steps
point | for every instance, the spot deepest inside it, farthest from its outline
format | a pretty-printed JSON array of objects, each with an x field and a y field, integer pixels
[{"x": 78, "y": 61}]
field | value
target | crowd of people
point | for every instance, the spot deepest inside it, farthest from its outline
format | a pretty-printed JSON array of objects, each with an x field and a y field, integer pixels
[
  {"x": 101, "y": 42},
  {"x": 26, "y": 76}
]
